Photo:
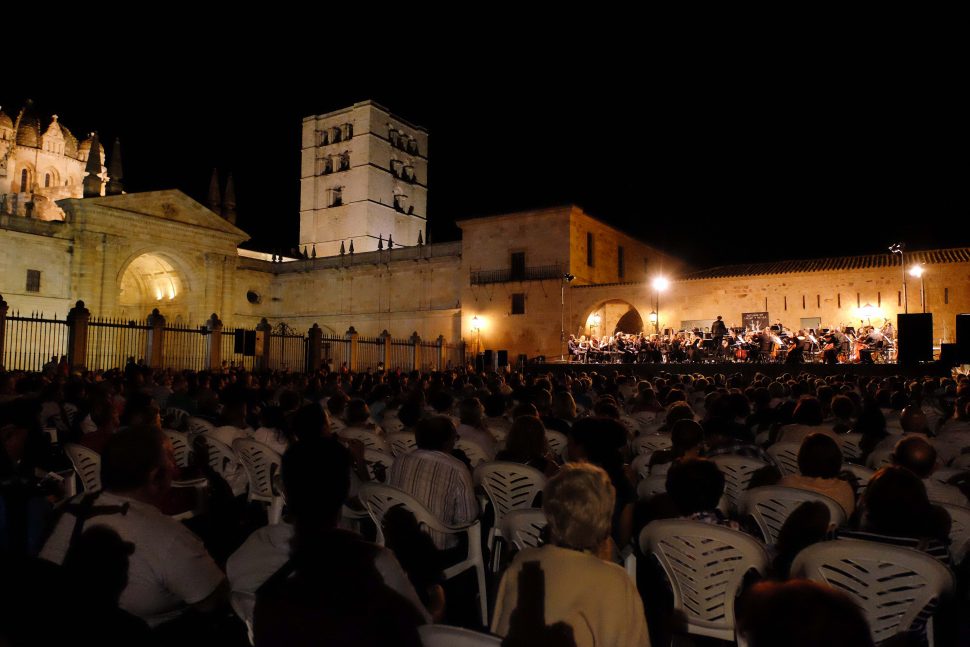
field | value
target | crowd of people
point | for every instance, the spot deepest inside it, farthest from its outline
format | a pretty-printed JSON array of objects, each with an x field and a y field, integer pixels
[
  {"x": 866, "y": 344},
  {"x": 127, "y": 565}
]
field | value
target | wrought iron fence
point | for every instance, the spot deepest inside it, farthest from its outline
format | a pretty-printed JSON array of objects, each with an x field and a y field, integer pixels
[
  {"x": 185, "y": 347},
  {"x": 239, "y": 347},
  {"x": 288, "y": 353},
  {"x": 31, "y": 341},
  {"x": 402, "y": 355},
  {"x": 454, "y": 355},
  {"x": 335, "y": 351},
  {"x": 370, "y": 352},
  {"x": 429, "y": 356},
  {"x": 112, "y": 341}
]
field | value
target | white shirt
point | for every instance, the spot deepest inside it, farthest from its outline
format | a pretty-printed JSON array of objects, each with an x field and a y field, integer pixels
[
  {"x": 170, "y": 568},
  {"x": 480, "y": 437},
  {"x": 272, "y": 438},
  {"x": 266, "y": 551}
]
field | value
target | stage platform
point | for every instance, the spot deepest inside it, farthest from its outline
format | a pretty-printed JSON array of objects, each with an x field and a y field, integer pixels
[{"x": 748, "y": 370}]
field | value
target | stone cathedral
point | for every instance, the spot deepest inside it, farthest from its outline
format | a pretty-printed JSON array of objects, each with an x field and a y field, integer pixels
[{"x": 68, "y": 231}]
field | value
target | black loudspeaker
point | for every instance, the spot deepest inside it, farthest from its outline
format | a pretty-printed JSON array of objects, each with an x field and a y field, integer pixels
[
  {"x": 480, "y": 362},
  {"x": 915, "y": 338},
  {"x": 963, "y": 338},
  {"x": 949, "y": 356},
  {"x": 503, "y": 358},
  {"x": 523, "y": 360},
  {"x": 490, "y": 358}
]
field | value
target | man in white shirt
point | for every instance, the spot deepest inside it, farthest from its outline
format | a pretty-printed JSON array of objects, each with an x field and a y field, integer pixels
[
  {"x": 170, "y": 569},
  {"x": 917, "y": 455}
]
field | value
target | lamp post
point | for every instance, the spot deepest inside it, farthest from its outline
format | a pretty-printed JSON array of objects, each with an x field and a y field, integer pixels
[
  {"x": 566, "y": 278},
  {"x": 917, "y": 272},
  {"x": 660, "y": 284},
  {"x": 897, "y": 248},
  {"x": 477, "y": 329},
  {"x": 594, "y": 323}
]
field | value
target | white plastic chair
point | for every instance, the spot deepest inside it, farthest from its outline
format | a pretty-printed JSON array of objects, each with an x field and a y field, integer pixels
[
  {"x": 785, "y": 456},
  {"x": 180, "y": 445},
  {"x": 476, "y": 455},
  {"x": 221, "y": 455},
  {"x": 369, "y": 439},
  {"x": 446, "y": 636},
  {"x": 651, "y": 486},
  {"x": 771, "y": 505},
  {"x": 640, "y": 465},
  {"x": 705, "y": 565},
  {"x": 880, "y": 458},
  {"x": 862, "y": 475},
  {"x": 959, "y": 530},
  {"x": 961, "y": 462},
  {"x": 737, "y": 471},
  {"x": 378, "y": 498},
  {"x": 401, "y": 443},
  {"x": 243, "y": 604},
  {"x": 524, "y": 527},
  {"x": 895, "y": 587},
  {"x": 646, "y": 421},
  {"x": 262, "y": 465},
  {"x": 87, "y": 466},
  {"x": 198, "y": 425},
  {"x": 850, "y": 445},
  {"x": 378, "y": 463},
  {"x": 651, "y": 443},
  {"x": 176, "y": 417},
  {"x": 557, "y": 442},
  {"x": 509, "y": 486}
]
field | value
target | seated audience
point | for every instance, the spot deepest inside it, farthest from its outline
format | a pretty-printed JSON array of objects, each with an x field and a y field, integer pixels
[{"x": 819, "y": 465}]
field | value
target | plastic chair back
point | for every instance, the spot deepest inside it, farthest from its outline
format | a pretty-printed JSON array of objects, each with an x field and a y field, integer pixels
[
  {"x": 651, "y": 486},
  {"x": 737, "y": 471},
  {"x": 445, "y": 636},
  {"x": 198, "y": 425},
  {"x": 861, "y": 474},
  {"x": 705, "y": 565},
  {"x": 509, "y": 486},
  {"x": 401, "y": 443},
  {"x": 87, "y": 465},
  {"x": 771, "y": 505},
  {"x": 180, "y": 445},
  {"x": 557, "y": 442},
  {"x": 880, "y": 458},
  {"x": 176, "y": 418},
  {"x": 524, "y": 527},
  {"x": 651, "y": 443},
  {"x": 221, "y": 455},
  {"x": 476, "y": 455},
  {"x": 959, "y": 530},
  {"x": 897, "y": 588},
  {"x": 369, "y": 439},
  {"x": 785, "y": 456},
  {"x": 850, "y": 445},
  {"x": 378, "y": 464}
]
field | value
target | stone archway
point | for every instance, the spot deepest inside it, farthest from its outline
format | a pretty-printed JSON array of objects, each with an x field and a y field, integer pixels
[
  {"x": 152, "y": 280},
  {"x": 611, "y": 316}
]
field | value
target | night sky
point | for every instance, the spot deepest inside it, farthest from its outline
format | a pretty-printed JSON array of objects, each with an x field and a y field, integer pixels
[{"x": 724, "y": 153}]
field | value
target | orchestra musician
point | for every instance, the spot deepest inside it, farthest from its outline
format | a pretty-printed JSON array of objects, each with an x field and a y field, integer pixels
[
  {"x": 718, "y": 329},
  {"x": 833, "y": 345}
]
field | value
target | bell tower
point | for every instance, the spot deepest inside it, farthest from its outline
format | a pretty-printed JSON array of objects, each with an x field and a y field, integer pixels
[{"x": 364, "y": 179}]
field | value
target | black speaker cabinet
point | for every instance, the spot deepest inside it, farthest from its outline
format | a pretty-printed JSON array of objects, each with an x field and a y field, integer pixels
[
  {"x": 489, "y": 360},
  {"x": 949, "y": 355},
  {"x": 503, "y": 358},
  {"x": 963, "y": 338},
  {"x": 915, "y": 338}
]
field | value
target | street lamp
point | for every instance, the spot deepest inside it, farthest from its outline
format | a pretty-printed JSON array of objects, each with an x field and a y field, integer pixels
[
  {"x": 868, "y": 312},
  {"x": 477, "y": 329},
  {"x": 917, "y": 272},
  {"x": 897, "y": 248},
  {"x": 660, "y": 284},
  {"x": 594, "y": 322},
  {"x": 566, "y": 278}
]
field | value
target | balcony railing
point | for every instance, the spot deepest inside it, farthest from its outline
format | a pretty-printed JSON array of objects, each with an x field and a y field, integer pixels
[{"x": 539, "y": 273}]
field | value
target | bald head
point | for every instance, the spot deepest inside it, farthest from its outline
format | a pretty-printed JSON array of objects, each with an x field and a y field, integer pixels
[{"x": 915, "y": 454}]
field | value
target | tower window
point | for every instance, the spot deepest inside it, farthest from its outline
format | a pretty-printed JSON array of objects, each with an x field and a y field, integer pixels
[
  {"x": 589, "y": 248},
  {"x": 620, "y": 262},
  {"x": 345, "y": 161},
  {"x": 518, "y": 303},
  {"x": 336, "y": 196},
  {"x": 23, "y": 181},
  {"x": 33, "y": 280},
  {"x": 47, "y": 180},
  {"x": 518, "y": 265}
]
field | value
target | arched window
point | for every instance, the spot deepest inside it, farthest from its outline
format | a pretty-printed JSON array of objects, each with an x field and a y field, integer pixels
[
  {"x": 23, "y": 181},
  {"x": 345, "y": 161},
  {"x": 47, "y": 181}
]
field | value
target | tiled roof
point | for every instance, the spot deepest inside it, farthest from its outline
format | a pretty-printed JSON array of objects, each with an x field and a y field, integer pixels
[{"x": 927, "y": 257}]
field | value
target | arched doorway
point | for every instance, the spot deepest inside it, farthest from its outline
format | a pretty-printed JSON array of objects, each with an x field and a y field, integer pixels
[
  {"x": 152, "y": 281},
  {"x": 611, "y": 317}
]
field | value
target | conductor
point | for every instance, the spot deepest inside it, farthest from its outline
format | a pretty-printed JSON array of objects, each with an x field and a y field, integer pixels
[{"x": 718, "y": 330}]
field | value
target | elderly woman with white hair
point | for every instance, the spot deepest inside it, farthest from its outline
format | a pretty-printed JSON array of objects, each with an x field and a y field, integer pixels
[{"x": 570, "y": 580}]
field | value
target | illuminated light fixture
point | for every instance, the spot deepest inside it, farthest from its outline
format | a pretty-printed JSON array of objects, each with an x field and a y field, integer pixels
[
  {"x": 916, "y": 271},
  {"x": 596, "y": 319},
  {"x": 653, "y": 317},
  {"x": 476, "y": 323},
  {"x": 869, "y": 311},
  {"x": 661, "y": 283}
]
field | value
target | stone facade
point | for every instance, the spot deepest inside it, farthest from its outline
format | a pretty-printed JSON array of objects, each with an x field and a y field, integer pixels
[
  {"x": 40, "y": 166},
  {"x": 364, "y": 179}
]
